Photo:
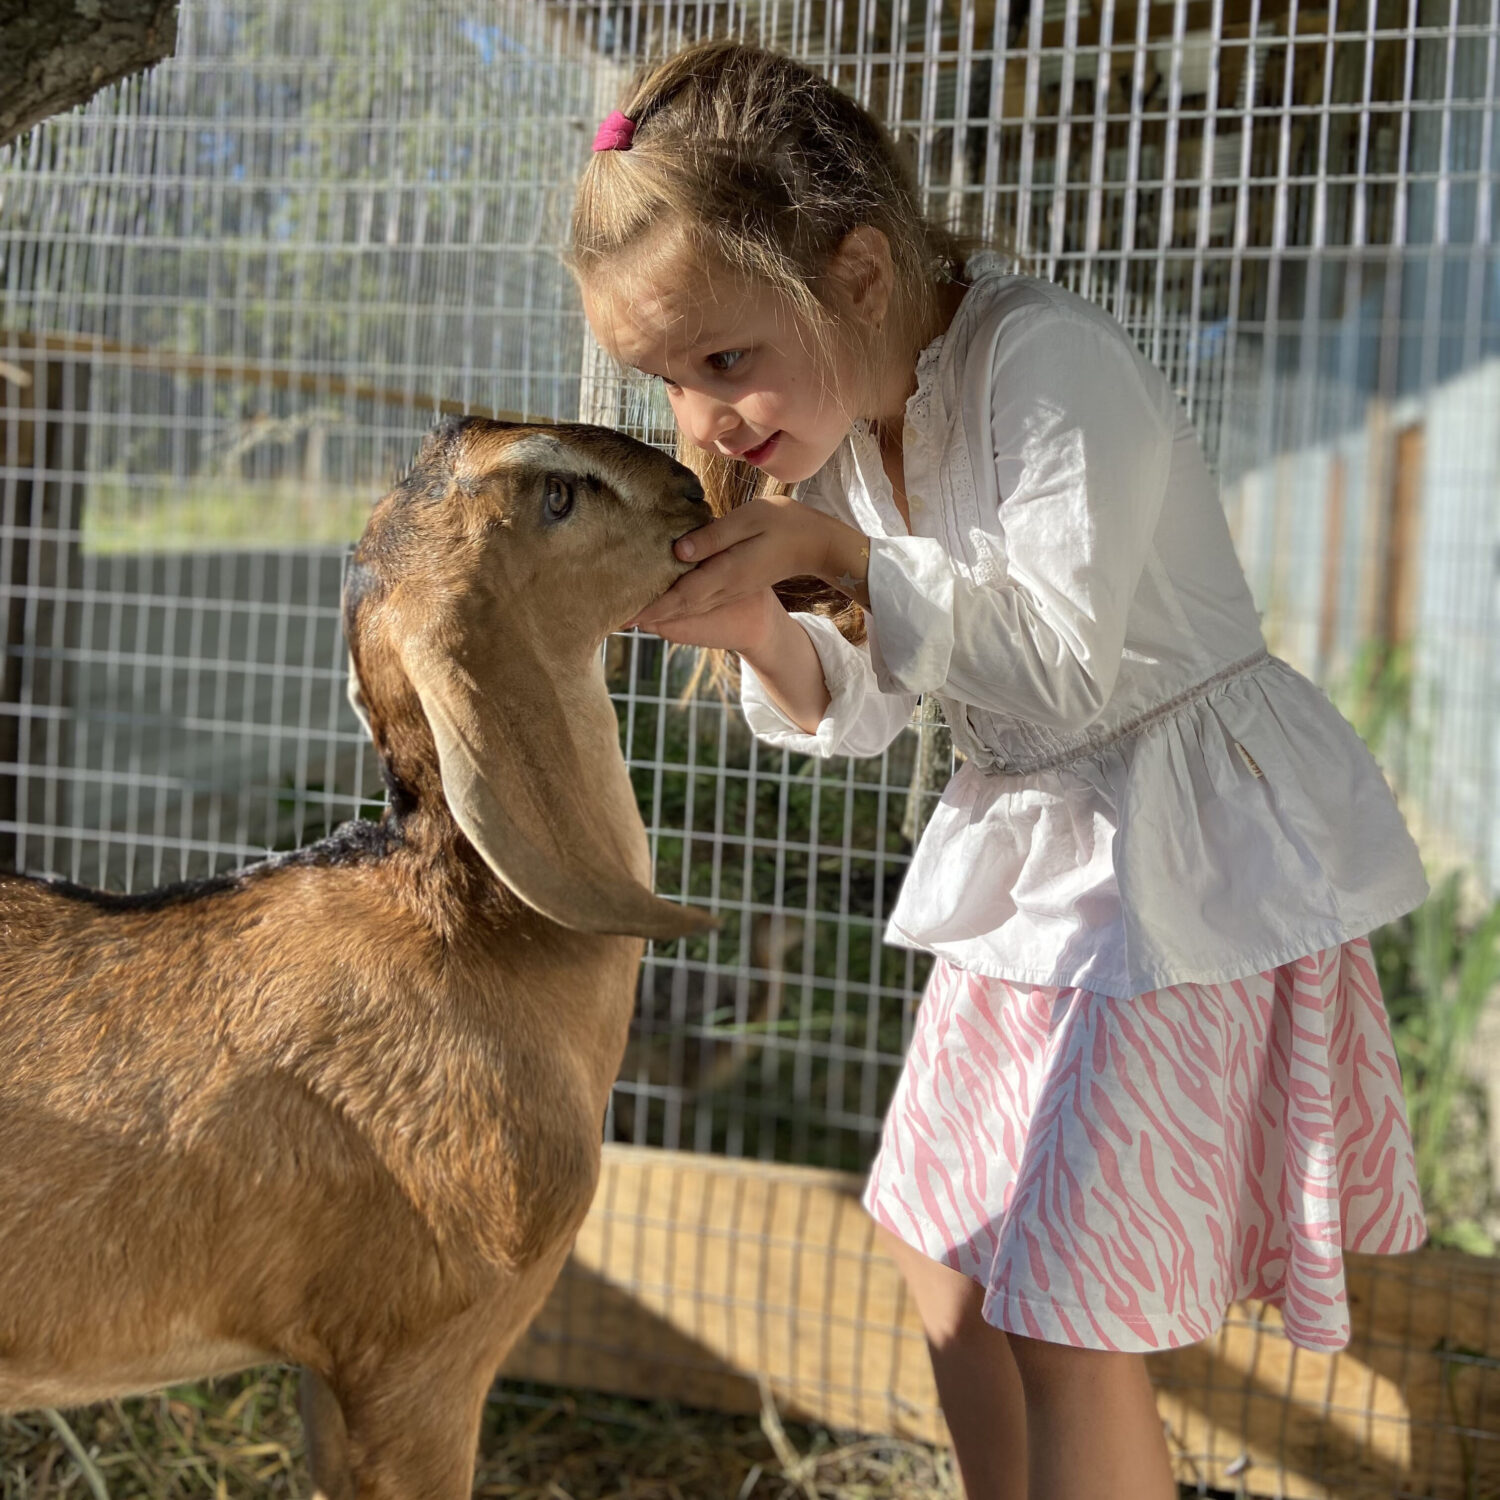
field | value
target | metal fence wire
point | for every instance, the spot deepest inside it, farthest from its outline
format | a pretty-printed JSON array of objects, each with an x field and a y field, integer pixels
[{"x": 235, "y": 290}]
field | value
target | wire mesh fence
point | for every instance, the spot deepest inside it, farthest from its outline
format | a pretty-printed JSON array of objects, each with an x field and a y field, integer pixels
[{"x": 233, "y": 291}]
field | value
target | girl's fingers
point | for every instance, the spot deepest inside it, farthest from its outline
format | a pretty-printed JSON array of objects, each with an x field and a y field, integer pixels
[
  {"x": 674, "y": 603},
  {"x": 740, "y": 525},
  {"x": 740, "y": 625},
  {"x": 677, "y": 602},
  {"x": 708, "y": 540},
  {"x": 709, "y": 584},
  {"x": 733, "y": 557},
  {"x": 688, "y": 631}
]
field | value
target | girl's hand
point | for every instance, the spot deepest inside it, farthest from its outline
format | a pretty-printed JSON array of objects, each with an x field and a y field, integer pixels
[
  {"x": 742, "y": 555},
  {"x": 744, "y": 625}
]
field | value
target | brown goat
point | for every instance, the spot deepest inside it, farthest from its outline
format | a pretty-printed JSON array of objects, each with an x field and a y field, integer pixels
[{"x": 343, "y": 1109}]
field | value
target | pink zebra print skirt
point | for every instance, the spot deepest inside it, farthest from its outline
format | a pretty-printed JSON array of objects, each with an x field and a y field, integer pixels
[{"x": 1114, "y": 1173}]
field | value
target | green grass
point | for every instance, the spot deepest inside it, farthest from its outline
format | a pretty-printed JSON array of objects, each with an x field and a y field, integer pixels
[
  {"x": 1439, "y": 968},
  {"x": 215, "y": 513}
]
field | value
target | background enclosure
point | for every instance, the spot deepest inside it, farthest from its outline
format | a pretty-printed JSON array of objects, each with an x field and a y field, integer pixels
[{"x": 234, "y": 292}]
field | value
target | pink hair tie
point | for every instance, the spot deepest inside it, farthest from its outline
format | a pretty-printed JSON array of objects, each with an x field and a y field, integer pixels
[{"x": 615, "y": 133}]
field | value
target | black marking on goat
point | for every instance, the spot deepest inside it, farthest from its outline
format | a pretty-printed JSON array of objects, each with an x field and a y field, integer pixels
[
  {"x": 425, "y": 481},
  {"x": 433, "y": 462},
  {"x": 361, "y": 581},
  {"x": 454, "y": 425},
  {"x": 163, "y": 896},
  {"x": 399, "y": 794},
  {"x": 354, "y": 843},
  {"x": 426, "y": 476}
]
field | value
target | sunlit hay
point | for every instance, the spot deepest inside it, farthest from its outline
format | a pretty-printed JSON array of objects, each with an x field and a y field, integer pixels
[{"x": 241, "y": 1437}]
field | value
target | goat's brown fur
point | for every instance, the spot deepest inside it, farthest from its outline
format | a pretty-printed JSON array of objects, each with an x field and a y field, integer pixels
[{"x": 343, "y": 1108}]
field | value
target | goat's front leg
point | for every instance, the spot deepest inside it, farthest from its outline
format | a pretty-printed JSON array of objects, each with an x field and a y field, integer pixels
[
  {"x": 327, "y": 1439},
  {"x": 409, "y": 1431}
]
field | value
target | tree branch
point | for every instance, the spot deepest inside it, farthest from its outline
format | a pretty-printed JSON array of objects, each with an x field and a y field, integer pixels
[{"x": 55, "y": 54}]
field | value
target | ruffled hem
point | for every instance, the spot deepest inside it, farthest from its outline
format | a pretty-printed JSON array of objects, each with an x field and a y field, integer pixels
[
  {"x": 1116, "y": 1175},
  {"x": 1242, "y": 830},
  {"x": 1120, "y": 986}
]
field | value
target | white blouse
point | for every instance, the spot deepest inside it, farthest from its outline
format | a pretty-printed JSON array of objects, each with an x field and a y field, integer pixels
[{"x": 1147, "y": 797}]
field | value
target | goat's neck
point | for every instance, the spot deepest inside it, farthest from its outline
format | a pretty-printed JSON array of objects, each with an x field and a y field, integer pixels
[{"x": 437, "y": 874}]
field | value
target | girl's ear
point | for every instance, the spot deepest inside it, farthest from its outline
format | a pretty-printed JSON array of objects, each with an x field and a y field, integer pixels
[{"x": 864, "y": 271}]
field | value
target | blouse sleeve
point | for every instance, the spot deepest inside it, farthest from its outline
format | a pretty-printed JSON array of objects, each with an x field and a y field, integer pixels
[
  {"x": 1082, "y": 448},
  {"x": 860, "y": 719}
]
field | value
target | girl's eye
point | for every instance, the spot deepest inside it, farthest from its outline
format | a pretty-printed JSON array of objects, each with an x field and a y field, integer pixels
[
  {"x": 559, "y": 498},
  {"x": 725, "y": 360}
]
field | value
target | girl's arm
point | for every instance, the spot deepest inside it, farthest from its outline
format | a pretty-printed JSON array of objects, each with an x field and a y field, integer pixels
[
  {"x": 787, "y": 666},
  {"x": 857, "y": 718},
  {"x": 758, "y": 628}
]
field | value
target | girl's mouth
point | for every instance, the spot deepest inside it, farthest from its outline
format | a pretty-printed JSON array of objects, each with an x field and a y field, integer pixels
[{"x": 763, "y": 452}]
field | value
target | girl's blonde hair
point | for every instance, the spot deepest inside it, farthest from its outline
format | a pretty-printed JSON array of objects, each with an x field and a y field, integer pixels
[{"x": 754, "y": 163}]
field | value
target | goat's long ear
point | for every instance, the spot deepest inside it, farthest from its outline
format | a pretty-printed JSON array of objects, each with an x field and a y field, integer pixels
[{"x": 532, "y": 773}]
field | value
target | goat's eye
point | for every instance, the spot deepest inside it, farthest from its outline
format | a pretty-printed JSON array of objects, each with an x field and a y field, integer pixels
[{"x": 559, "y": 498}]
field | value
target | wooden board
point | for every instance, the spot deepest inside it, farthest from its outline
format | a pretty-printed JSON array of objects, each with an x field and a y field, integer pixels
[
  {"x": 90, "y": 349},
  {"x": 696, "y": 1277},
  {"x": 44, "y": 419},
  {"x": 1403, "y": 546}
]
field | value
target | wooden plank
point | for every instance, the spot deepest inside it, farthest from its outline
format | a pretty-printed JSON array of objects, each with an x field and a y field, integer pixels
[
  {"x": 1280, "y": 553},
  {"x": 90, "y": 349},
  {"x": 1399, "y": 596},
  {"x": 44, "y": 402},
  {"x": 17, "y": 456},
  {"x": 1330, "y": 592},
  {"x": 1374, "y": 522},
  {"x": 695, "y": 1277}
]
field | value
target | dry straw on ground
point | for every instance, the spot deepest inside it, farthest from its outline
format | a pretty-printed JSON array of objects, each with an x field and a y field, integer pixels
[{"x": 241, "y": 1437}]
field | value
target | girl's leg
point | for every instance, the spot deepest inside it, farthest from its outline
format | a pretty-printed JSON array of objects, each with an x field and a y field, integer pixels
[
  {"x": 977, "y": 1380},
  {"x": 1030, "y": 1418},
  {"x": 1091, "y": 1424}
]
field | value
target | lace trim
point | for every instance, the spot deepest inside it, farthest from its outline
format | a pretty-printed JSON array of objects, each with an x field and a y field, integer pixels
[
  {"x": 1129, "y": 729},
  {"x": 919, "y": 403}
]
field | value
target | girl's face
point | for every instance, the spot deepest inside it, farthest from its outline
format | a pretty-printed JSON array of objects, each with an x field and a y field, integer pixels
[{"x": 745, "y": 376}]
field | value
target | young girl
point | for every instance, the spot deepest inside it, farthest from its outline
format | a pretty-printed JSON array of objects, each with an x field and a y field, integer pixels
[{"x": 1152, "y": 1072}]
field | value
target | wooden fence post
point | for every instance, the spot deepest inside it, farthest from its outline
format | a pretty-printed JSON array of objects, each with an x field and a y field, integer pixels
[{"x": 43, "y": 436}]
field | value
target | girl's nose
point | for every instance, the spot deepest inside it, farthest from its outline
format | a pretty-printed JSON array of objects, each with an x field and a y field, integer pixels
[{"x": 707, "y": 420}]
